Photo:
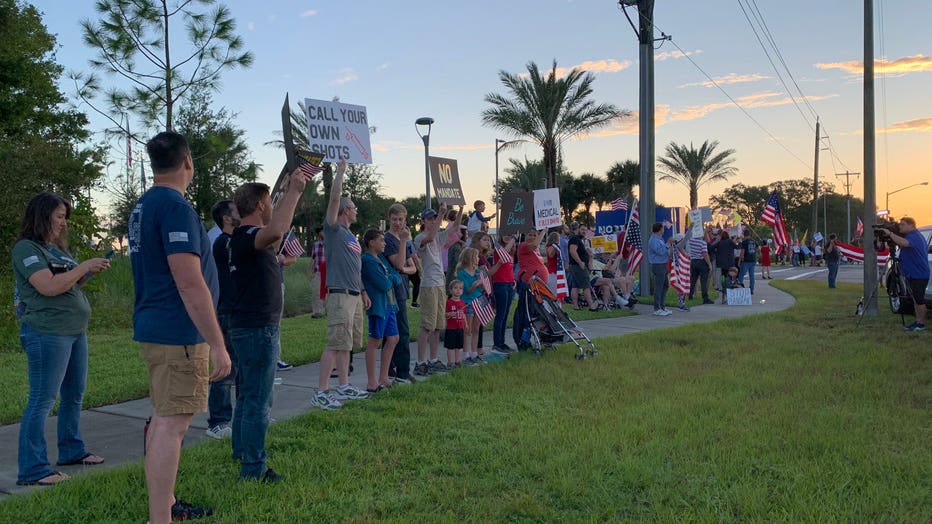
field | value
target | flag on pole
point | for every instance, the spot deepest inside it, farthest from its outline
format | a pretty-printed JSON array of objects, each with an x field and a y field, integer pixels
[
  {"x": 773, "y": 216},
  {"x": 292, "y": 246},
  {"x": 619, "y": 204},
  {"x": 632, "y": 241},
  {"x": 680, "y": 272},
  {"x": 483, "y": 309},
  {"x": 562, "y": 289},
  {"x": 859, "y": 229}
]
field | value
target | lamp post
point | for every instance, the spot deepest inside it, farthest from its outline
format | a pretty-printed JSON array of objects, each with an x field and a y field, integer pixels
[
  {"x": 902, "y": 189},
  {"x": 499, "y": 145},
  {"x": 425, "y": 121}
]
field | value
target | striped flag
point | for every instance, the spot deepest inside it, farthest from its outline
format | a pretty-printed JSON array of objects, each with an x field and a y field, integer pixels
[
  {"x": 292, "y": 247},
  {"x": 774, "y": 217},
  {"x": 680, "y": 272},
  {"x": 503, "y": 254},
  {"x": 486, "y": 284},
  {"x": 632, "y": 241},
  {"x": 310, "y": 169},
  {"x": 353, "y": 244},
  {"x": 619, "y": 204},
  {"x": 483, "y": 309},
  {"x": 856, "y": 253},
  {"x": 562, "y": 289},
  {"x": 859, "y": 229}
]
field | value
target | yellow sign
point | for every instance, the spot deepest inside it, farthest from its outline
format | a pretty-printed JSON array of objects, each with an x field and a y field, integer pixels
[{"x": 605, "y": 244}]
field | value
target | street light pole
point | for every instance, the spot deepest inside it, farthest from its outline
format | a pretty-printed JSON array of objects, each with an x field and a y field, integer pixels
[
  {"x": 902, "y": 189},
  {"x": 425, "y": 121}
]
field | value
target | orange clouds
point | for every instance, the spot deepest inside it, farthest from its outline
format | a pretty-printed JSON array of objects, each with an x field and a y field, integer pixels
[
  {"x": 898, "y": 67},
  {"x": 918, "y": 125},
  {"x": 730, "y": 78}
]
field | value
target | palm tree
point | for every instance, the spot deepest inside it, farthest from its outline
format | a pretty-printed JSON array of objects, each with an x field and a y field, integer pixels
[
  {"x": 694, "y": 167},
  {"x": 623, "y": 177},
  {"x": 548, "y": 110}
]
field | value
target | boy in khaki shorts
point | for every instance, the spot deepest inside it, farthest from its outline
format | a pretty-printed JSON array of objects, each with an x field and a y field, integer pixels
[{"x": 433, "y": 286}]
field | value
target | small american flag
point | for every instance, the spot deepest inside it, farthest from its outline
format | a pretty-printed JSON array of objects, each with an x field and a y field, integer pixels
[
  {"x": 484, "y": 279},
  {"x": 680, "y": 268},
  {"x": 503, "y": 254},
  {"x": 310, "y": 169},
  {"x": 483, "y": 309},
  {"x": 353, "y": 244},
  {"x": 562, "y": 289},
  {"x": 619, "y": 204},
  {"x": 292, "y": 246},
  {"x": 859, "y": 229},
  {"x": 632, "y": 241}
]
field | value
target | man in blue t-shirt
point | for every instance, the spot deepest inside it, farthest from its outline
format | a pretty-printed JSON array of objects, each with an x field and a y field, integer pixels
[
  {"x": 257, "y": 311},
  {"x": 173, "y": 318},
  {"x": 914, "y": 259}
]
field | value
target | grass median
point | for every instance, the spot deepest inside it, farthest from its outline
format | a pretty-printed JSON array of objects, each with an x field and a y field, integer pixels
[{"x": 793, "y": 416}]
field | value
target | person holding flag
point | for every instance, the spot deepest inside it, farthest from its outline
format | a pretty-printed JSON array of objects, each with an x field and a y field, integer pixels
[{"x": 503, "y": 289}]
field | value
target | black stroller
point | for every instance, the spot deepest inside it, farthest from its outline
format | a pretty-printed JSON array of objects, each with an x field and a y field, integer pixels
[{"x": 550, "y": 325}]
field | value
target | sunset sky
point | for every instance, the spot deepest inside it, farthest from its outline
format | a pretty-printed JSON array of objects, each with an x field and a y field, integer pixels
[{"x": 413, "y": 58}]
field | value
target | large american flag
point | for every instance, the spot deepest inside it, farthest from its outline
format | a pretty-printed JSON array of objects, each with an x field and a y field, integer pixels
[
  {"x": 632, "y": 241},
  {"x": 619, "y": 204},
  {"x": 292, "y": 246},
  {"x": 680, "y": 272},
  {"x": 857, "y": 253},
  {"x": 562, "y": 289},
  {"x": 774, "y": 217}
]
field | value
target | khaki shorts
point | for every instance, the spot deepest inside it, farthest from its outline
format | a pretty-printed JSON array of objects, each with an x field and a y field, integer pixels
[
  {"x": 344, "y": 321},
  {"x": 433, "y": 301},
  {"x": 179, "y": 378}
]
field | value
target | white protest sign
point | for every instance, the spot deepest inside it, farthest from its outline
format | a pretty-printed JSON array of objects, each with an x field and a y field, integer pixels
[
  {"x": 817, "y": 237},
  {"x": 740, "y": 296},
  {"x": 695, "y": 219},
  {"x": 547, "y": 208},
  {"x": 338, "y": 130}
]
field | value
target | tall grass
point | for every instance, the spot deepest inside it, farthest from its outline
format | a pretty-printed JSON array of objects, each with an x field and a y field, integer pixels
[{"x": 798, "y": 416}]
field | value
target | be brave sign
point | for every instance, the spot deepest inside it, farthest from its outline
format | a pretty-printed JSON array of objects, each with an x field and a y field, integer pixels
[
  {"x": 337, "y": 130},
  {"x": 446, "y": 179}
]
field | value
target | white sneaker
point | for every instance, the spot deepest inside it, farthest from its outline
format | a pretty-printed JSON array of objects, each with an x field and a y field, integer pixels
[
  {"x": 659, "y": 313},
  {"x": 620, "y": 300},
  {"x": 219, "y": 432},
  {"x": 349, "y": 392},
  {"x": 666, "y": 312}
]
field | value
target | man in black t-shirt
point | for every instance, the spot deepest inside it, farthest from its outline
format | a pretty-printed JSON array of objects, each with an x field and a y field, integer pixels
[
  {"x": 256, "y": 315},
  {"x": 747, "y": 258},
  {"x": 220, "y": 400},
  {"x": 579, "y": 267}
]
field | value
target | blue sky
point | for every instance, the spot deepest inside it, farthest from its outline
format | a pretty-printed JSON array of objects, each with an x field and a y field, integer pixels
[{"x": 413, "y": 58}]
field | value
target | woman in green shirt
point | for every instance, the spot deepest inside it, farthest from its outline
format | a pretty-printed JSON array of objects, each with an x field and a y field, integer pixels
[{"x": 53, "y": 330}]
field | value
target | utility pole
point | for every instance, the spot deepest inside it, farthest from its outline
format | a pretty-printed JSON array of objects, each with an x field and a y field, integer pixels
[
  {"x": 848, "y": 176},
  {"x": 870, "y": 180},
  {"x": 815, "y": 181},
  {"x": 645, "y": 33}
]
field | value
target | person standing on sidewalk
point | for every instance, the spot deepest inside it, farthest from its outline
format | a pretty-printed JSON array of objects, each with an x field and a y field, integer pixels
[
  {"x": 914, "y": 260},
  {"x": 747, "y": 258},
  {"x": 346, "y": 298},
  {"x": 659, "y": 255},
  {"x": 699, "y": 266},
  {"x": 256, "y": 315},
  {"x": 396, "y": 251},
  {"x": 832, "y": 258},
  {"x": 220, "y": 398},
  {"x": 174, "y": 321}
]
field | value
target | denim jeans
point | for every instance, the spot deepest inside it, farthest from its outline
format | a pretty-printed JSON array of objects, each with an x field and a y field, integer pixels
[
  {"x": 661, "y": 284},
  {"x": 832, "y": 273},
  {"x": 521, "y": 320},
  {"x": 747, "y": 267},
  {"x": 401, "y": 358},
  {"x": 503, "y": 293},
  {"x": 257, "y": 351},
  {"x": 220, "y": 399},
  {"x": 57, "y": 364}
]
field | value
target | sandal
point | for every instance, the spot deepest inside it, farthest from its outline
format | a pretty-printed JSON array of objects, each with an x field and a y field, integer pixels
[
  {"x": 55, "y": 477},
  {"x": 376, "y": 390},
  {"x": 89, "y": 459}
]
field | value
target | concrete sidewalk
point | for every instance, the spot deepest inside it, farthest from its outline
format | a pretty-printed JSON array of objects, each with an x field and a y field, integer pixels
[{"x": 115, "y": 431}]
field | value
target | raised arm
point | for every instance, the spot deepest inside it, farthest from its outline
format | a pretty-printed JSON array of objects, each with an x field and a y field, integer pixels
[
  {"x": 282, "y": 215},
  {"x": 336, "y": 191}
]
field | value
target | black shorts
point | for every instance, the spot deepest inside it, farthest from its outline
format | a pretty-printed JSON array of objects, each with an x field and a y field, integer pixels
[
  {"x": 917, "y": 289},
  {"x": 453, "y": 339}
]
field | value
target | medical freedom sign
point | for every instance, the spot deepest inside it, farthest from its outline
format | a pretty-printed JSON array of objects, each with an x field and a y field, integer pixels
[{"x": 338, "y": 130}]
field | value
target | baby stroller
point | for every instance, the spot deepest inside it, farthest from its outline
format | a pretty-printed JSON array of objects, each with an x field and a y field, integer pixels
[{"x": 550, "y": 325}]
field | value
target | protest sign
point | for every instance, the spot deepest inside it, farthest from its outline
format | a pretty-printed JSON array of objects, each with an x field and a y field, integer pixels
[
  {"x": 547, "y": 208},
  {"x": 817, "y": 237},
  {"x": 517, "y": 212},
  {"x": 446, "y": 179},
  {"x": 610, "y": 222},
  {"x": 338, "y": 130},
  {"x": 740, "y": 296},
  {"x": 605, "y": 244},
  {"x": 695, "y": 220},
  {"x": 288, "y": 138},
  {"x": 300, "y": 158}
]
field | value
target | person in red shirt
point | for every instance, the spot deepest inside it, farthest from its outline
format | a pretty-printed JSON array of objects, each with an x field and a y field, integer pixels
[
  {"x": 530, "y": 264},
  {"x": 453, "y": 337},
  {"x": 502, "y": 273},
  {"x": 765, "y": 260}
]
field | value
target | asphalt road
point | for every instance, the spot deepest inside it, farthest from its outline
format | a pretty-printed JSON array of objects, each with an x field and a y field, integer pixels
[{"x": 846, "y": 273}]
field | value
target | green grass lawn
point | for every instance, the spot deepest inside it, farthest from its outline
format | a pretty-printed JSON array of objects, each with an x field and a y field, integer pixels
[{"x": 791, "y": 416}]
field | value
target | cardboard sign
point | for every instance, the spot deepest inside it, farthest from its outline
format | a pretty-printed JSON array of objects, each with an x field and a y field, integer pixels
[
  {"x": 517, "y": 212},
  {"x": 299, "y": 157},
  {"x": 740, "y": 296},
  {"x": 695, "y": 220},
  {"x": 610, "y": 222},
  {"x": 291, "y": 161},
  {"x": 547, "y": 208},
  {"x": 605, "y": 244},
  {"x": 446, "y": 179},
  {"x": 338, "y": 130}
]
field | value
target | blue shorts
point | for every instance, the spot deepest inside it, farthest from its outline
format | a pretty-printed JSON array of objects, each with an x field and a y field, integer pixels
[
  {"x": 381, "y": 327},
  {"x": 470, "y": 311}
]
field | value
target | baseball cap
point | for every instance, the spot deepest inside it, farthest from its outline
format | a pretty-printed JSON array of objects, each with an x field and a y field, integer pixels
[{"x": 428, "y": 213}]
